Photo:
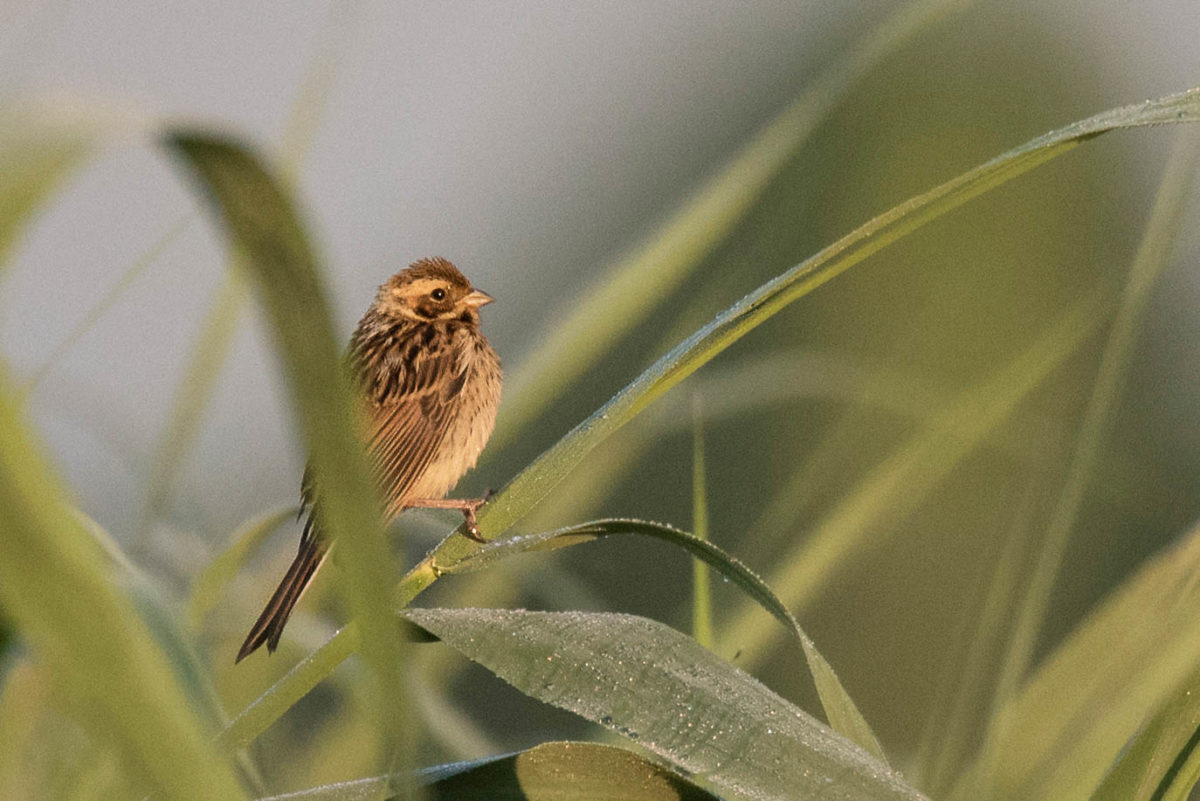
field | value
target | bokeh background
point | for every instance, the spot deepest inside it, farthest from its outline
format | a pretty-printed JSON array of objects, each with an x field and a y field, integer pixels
[{"x": 536, "y": 143}]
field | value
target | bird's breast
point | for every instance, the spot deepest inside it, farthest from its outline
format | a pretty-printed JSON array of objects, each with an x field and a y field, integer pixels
[{"x": 475, "y": 405}]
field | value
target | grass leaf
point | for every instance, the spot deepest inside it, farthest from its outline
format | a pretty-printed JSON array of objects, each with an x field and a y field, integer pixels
[
  {"x": 702, "y": 623},
  {"x": 840, "y": 709},
  {"x": 65, "y": 596},
  {"x": 1161, "y": 763},
  {"x": 285, "y": 693},
  {"x": 192, "y": 397},
  {"x": 106, "y": 301},
  {"x": 539, "y": 478},
  {"x": 660, "y": 688},
  {"x": 274, "y": 250},
  {"x": 38, "y": 150},
  {"x": 1185, "y": 774},
  {"x": 210, "y": 584},
  {"x": 216, "y": 340},
  {"x": 563, "y": 771},
  {"x": 629, "y": 291},
  {"x": 897, "y": 485},
  {"x": 1153, "y": 253},
  {"x": 1065, "y": 729},
  {"x": 557, "y": 771}
]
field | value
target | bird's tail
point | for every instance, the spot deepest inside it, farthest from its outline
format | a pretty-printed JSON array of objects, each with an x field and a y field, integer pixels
[{"x": 269, "y": 626}]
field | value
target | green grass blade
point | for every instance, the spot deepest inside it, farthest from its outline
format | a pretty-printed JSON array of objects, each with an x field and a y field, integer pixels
[
  {"x": 63, "y": 594},
  {"x": 702, "y": 625},
  {"x": 630, "y": 290},
  {"x": 338, "y": 37},
  {"x": 373, "y": 789},
  {"x": 454, "y": 729},
  {"x": 840, "y": 709},
  {"x": 904, "y": 480},
  {"x": 1153, "y": 253},
  {"x": 732, "y": 390},
  {"x": 274, "y": 249},
  {"x": 163, "y": 621},
  {"x": 564, "y": 771},
  {"x": 33, "y": 732},
  {"x": 106, "y": 302},
  {"x": 1161, "y": 763},
  {"x": 209, "y": 586},
  {"x": 285, "y": 693},
  {"x": 1178, "y": 784},
  {"x": 648, "y": 682},
  {"x": 38, "y": 151},
  {"x": 1064, "y": 730},
  {"x": 557, "y": 771},
  {"x": 948, "y": 738},
  {"x": 539, "y": 478},
  {"x": 217, "y": 335},
  {"x": 192, "y": 397}
]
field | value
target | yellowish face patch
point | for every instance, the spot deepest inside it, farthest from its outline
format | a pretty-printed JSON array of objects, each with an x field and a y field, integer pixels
[
  {"x": 426, "y": 299},
  {"x": 424, "y": 287}
]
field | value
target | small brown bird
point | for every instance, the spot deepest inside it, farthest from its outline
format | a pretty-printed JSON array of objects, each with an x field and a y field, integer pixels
[{"x": 431, "y": 386}]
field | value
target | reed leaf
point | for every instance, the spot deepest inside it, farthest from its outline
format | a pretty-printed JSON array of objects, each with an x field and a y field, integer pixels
[
  {"x": 274, "y": 250},
  {"x": 86, "y": 628},
  {"x": 629, "y": 291},
  {"x": 651, "y": 684}
]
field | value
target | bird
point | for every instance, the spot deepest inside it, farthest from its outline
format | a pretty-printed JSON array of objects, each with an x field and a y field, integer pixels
[{"x": 430, "y": 385}]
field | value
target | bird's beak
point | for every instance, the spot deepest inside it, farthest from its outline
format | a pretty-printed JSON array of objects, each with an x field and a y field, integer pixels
[{"x": 477, "y": 298}]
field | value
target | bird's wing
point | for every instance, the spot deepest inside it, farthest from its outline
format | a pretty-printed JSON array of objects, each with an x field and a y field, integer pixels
[
  {"x": 407, "y": 436},
  {"x": 408, "y": 416}
]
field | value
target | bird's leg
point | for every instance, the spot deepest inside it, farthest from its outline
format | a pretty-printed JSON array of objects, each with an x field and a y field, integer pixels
[{"x": 468, "y": 506}]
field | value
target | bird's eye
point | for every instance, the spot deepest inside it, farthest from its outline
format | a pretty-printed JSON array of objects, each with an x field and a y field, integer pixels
[{"x": 438, "y": 294}]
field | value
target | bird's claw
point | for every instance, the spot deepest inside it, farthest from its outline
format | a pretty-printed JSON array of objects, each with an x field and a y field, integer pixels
[{"x": 472, "y": 524}]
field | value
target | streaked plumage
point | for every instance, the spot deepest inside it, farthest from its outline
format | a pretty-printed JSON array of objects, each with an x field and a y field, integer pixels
[{"x": 431, "y": 386}]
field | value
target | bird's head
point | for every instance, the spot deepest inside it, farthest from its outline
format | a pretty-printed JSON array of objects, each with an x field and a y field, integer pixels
[{"x": 431, "y": 289}]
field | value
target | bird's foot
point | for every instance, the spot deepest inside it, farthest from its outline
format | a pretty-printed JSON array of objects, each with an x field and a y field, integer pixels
[{"x": 468, "y": 507}]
